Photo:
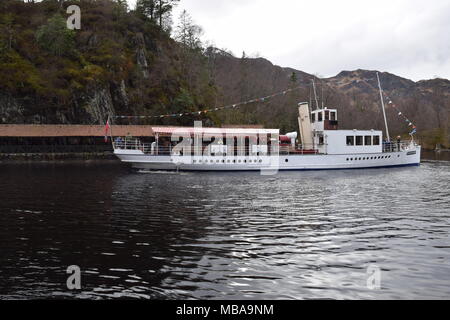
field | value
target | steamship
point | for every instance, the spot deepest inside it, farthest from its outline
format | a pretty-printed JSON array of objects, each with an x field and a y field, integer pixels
[{"x": 318, "y": 145}]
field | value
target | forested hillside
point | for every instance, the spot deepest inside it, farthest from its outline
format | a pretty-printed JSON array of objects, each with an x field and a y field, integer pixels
[{"x": 127, "y": 61}]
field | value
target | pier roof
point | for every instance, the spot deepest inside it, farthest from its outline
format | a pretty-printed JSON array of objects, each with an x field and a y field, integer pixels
[
  {"x": 42, "y": 131},
  {"x": 18, "y": 130}
]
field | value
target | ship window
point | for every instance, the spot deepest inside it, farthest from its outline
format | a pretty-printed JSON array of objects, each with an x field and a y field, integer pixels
[
  {"x": 350, "y": 140},
  {"x": 327, "y": 115},
  {"x": 321, "y": 140},
  {"x": 313, "y": 117},
  {"x": 359, "y": 140},
  {"x": 320, "y": 116},
  {"x": 376, "y": 140},
  {"x": 368, "y": 140},
  {"x": 333, "y": 116}
]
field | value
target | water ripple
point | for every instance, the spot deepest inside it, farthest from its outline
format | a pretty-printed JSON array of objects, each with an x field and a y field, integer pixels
[{"x": 298, "y": 235}]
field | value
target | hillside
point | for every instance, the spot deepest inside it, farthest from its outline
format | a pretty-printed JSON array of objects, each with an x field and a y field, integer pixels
[
  {"x": 354, "y": 93},
  {"x": 122, "y": 63}
]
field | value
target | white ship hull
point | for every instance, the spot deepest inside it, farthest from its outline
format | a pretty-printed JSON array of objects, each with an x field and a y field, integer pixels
[{"x": 139, "y": 160}]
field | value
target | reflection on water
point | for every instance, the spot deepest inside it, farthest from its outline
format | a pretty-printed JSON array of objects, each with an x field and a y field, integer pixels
[{"x": 232, "y": 236}]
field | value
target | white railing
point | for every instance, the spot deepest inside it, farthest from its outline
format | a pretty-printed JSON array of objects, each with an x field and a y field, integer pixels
[
  {"x": 397, "y": 146},
  {"x": 158, "y": 149}
]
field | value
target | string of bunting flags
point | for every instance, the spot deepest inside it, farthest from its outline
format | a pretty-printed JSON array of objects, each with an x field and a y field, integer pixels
[
  {"x": 400, "y": 114},
  {"x": 193, "y": 113}
]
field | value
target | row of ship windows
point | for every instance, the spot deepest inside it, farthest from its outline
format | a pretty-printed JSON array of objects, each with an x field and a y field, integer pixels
[
  {"x": 363, "y": 140},
  {"x": 228, "y": 161},
  {"x": 371, "y": 158}
]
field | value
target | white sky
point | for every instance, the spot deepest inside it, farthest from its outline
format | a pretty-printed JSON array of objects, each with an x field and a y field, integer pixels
[{"x": 410, "y": 38}]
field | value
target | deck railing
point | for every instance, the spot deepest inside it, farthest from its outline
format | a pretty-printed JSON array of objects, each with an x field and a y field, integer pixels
[
  {"x": 155, "y": 149},
  {"x": 396, "y": 146}
]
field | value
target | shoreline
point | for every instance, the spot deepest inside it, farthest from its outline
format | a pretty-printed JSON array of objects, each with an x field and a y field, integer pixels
[{"x": 7, "y": 157}]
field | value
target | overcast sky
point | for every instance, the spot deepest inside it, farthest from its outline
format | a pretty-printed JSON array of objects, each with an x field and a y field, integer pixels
[{"x": 410, "y": 38}]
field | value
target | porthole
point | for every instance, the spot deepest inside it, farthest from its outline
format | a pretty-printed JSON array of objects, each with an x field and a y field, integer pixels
[
  {"x": 359, "y": 159},
  {"x": 351, "y": 159},
  {"x": 195, "y": 161},
  {"x": 260, "y": 161},
  {"x": 348, "y": 159},
  {"x": 234, "y": 161},
  {"x": 240, "y": 161},
  {"x": 287, "y": 160}
]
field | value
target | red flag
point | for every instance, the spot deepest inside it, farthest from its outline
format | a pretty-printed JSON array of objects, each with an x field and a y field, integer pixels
[{"x": 106, "y": 130}]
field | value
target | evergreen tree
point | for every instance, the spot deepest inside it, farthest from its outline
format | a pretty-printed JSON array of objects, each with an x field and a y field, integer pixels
[
  {"x": 188, "y": 33},
  {"x": 158, "y": 11},
  {"x": 55, "y": 37},
  {"x": 146, "y": 8},
  {"x": 164, "y": 8},
  {"x": 293, "y": 80}
]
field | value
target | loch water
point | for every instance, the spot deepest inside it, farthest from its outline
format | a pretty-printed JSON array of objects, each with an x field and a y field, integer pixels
[{"x": 295, "y": 235}]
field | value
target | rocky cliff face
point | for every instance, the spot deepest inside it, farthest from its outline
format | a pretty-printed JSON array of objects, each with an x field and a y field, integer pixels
[{"x": 118, "y": 63}]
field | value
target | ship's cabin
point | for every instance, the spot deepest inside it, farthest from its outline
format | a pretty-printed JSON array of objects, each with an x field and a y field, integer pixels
[{"x": 324, "y": 119}]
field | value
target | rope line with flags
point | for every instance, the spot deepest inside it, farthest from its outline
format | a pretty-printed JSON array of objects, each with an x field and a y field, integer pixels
[
  {"x": 400, "y": 114},
  {"x": 193, "y": 113}
]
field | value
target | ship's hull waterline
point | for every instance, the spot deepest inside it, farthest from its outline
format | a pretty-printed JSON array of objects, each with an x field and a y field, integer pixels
[{"x": 139, "y": 160}]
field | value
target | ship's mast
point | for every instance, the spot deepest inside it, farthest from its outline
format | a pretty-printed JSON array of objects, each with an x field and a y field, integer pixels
[
  {"x": 388, "y": 138},
  {"x": 323, "y": 105},
  {"x": 315, "y": 94}
]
